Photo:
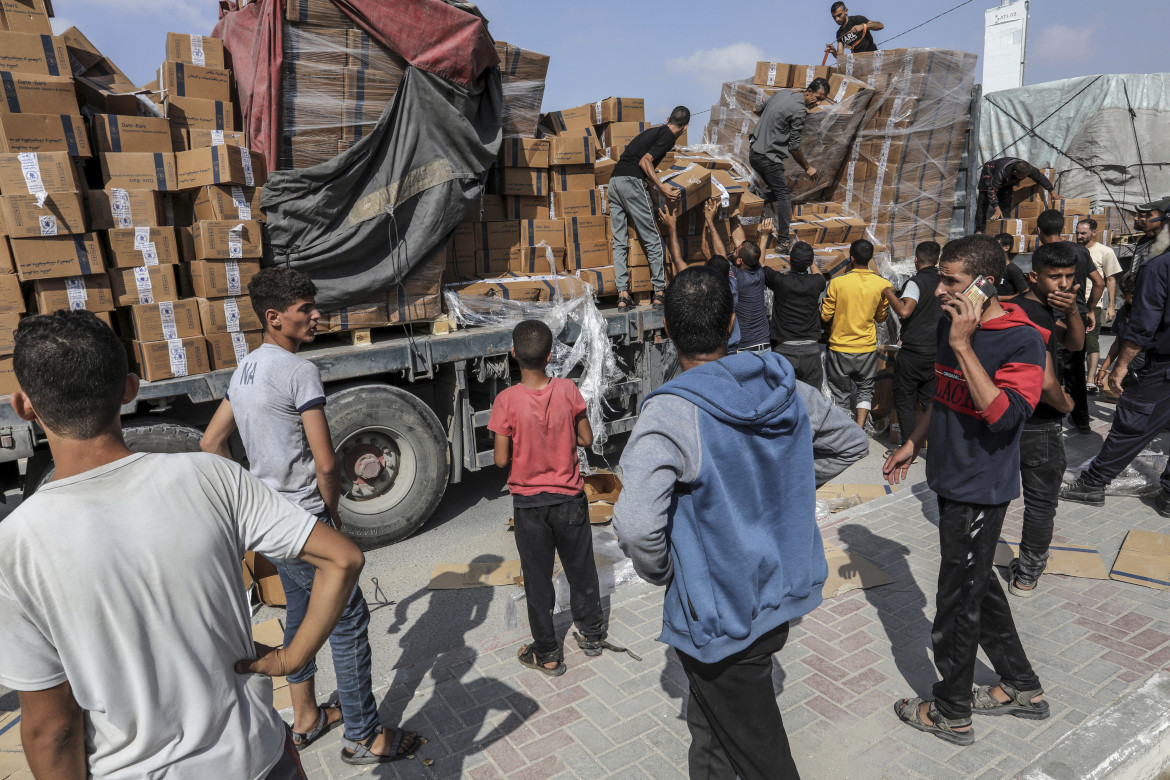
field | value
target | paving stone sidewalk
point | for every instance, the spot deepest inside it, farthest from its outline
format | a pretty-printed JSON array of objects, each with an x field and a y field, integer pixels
[{"x": 837, "y": 678}]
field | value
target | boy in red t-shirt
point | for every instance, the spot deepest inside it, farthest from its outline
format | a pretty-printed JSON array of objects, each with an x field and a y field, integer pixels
[{"x": 539, "y": 424}]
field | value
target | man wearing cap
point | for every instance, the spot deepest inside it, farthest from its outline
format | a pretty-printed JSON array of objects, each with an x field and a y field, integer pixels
[
  {"x": 1143, "y": 410},
  {"x": 796, "y": 315},
  {"x": 776, "y": 137},
  {"x": 1150, "y": 219},
  {"x": 997, "y": 180}
]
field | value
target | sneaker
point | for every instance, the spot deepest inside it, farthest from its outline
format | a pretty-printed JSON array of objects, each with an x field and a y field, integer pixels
[
  {"x": 1083, "y": 492},
  {"x": 1017, "y": 585},
  {"x": 1162, "y": 505}
]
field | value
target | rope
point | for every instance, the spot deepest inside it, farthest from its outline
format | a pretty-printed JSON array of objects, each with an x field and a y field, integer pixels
[
  {"x": 928, "y": 21},
  {"x": 1032, "y": 130},
  {"x": 1133, "y": 126}
]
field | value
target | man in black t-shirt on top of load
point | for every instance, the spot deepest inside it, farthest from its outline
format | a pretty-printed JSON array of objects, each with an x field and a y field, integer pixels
[
  {"x": 854, "y": 33},
  {"x": 629, "y": 200}
]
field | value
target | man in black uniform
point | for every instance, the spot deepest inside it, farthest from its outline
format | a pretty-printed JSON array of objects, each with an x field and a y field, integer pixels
[
  {"x": 1143, "y": 411},
  {"x": 997, "y": 180},
  {"x": 1151, "y": 220},
  {"x": 918, "y": 307},
  {"x": 796, "y": 314},
  {"x": 854, "y": 33}
]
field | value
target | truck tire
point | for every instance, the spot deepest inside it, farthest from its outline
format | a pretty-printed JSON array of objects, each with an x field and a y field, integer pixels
[
  {"x": 144, "y": 435},
  {"x": 394, "y": 462}
]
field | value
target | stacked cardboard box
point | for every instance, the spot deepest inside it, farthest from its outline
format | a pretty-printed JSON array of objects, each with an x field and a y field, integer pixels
[
  {"x": 336, "y": 82},
  {"x": 522, "y": 73}
]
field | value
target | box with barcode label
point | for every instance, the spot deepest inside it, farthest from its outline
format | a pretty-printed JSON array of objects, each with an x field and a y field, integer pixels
[
  {"x": 226, "y": 239},
  {"x": 218, "y": 278},
  {"x": 137, "y": 246},
  {"x": 91, "y": 293},
  {"x": 226, "y": 350},
  {"x": 161, "y": 320},
  {"x": 228, "y": 201},
  {"x": 119, "y": 208},
  {"x": 228, "y": 315},
  {"x": 37, "y": 216},
  {"x": 32, "y": 172},
  {"x": 221, "y": 165},
  {"x": 195, "y": 50},
  {"x": 144, "y": 285},
  {"x": 155, "y": 360},
  {"x": 49, "y": 258}
]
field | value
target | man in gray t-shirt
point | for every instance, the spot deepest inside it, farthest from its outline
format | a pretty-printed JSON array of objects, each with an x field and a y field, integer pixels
[{"x": 277, "y": 403}]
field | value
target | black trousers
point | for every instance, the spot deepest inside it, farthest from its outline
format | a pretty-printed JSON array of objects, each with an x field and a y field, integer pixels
[
  {"x": 971, "y": 608},
  {"x": 913, "y": 385},
  {"x": 806, "y": 362},
  {"x": 734, "y": 720},
  {"x": 1073, "y": 364},
  {"x": 773, "y": 176},
  {"x": 1042, "y": 464},
  {"x": 983, "y": 206},
  {"x": 562, "y": 529},
  {"x": 1143, "y": 411}
]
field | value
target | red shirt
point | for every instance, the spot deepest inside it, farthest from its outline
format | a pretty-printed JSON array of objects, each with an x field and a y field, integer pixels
[{"x": 543, "y": 427}]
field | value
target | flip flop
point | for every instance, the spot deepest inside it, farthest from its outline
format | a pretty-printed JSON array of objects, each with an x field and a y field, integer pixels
[{"x": 302, "y": 740}]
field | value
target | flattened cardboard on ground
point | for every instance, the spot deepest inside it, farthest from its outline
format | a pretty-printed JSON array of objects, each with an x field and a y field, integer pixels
[
  {"x": 261, "y": 571},
  {"x": 850, "y": 571},
  {"x": 1071, "y": 560},
  {"x": 864, "y": 492},
  {"x": 271, "y": 634},
  {"x": 13, "y": 765},
  {"x": 1144, "y": 559},
  {"x": 43, "y": 133},
  {"x": 455, "y": 576}
]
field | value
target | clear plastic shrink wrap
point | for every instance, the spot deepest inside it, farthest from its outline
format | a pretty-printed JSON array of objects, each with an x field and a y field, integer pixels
[{"x": 522, "y": 73}]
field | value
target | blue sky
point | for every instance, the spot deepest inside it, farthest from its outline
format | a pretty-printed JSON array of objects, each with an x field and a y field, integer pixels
[{"x": 680, "y": 52}]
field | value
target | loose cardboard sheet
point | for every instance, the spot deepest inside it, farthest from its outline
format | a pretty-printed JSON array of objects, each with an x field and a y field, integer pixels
[
  {"x": 12, "y": 763},
  {"x": 453, "y": 576},
  {"x": 1071, "y": 560},
  {"x": 864, "y": 492},
  {"x": 1144, "y": 559},
  {"x": 849, "y": 571},
  {"x": 271, "y": 633}
]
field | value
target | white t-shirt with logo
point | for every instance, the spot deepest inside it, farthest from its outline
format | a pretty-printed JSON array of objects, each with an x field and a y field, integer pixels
[{"x": 126, "y": 582}]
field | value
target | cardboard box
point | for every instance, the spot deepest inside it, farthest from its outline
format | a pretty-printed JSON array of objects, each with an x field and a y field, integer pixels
[
  {"x": 118, "y": 133},
  {"x": 75, "y": 292},
  {"x": 210, "y": 279},
  {"x": 566, "y": 178},
  {"x": 490, "y": 208},
  {"x": 60, "y": 256},
  {"x": 370, "y": 314},
  {"x": 195, "y": 50},
  {"x": 27, "y": 16},
  {"x": 228, "y": 201},
  {"x": 221, "y": 165},
  {"x": 842, "y": 87},
  {"x": 61, "y": 213},
  {"x": 200, "y": 137},
  {"x": 162, "y": 320},
  {"x": 226, "y": 239},
  {"x": 137, "y": 246},
  {"x": 8, "y": 324},
  {"x": 1016, "y": 227},
  {"x": 228, "y": 315},
  {"x": 122, "y": 208},
  {"x": 196, "y": 113},
  {"x": 602, "y": 280},
  {"x": 802, "y": 75},
  {"x": 772, "y": 74},
  {"x": 1144, "y": 559},
  {"x": 1072, "y": 206},
  {"x": 33, "y": 53},
  {"x": 140, "y": 171},
  {"x": 11, "y": 297},
  {"x": 43, "y": 133},
  {"x": 536, "y": 260},
  {"x": 156, "y": 360},
  {"x": 144, "y": 285},
  {"x": 8, "y": 386},
  {"x": 180, "y": 79},
  {"x": 316, "y": 12},
  {"x": 37, "y": 94},
  {"x": 226, "y": 350},
  {"x": 692, "y": 182},
  {"x": 585, "y": 230},
  {"x": 622, "y": 133},
  {"x": 577, "y": 203},
  {"x": 572, "y": 149},
  {"x": 548, "y": 231},
  {"x": 525, "y": 182},
  {"x": 521, "y": 207},
  {"x": 526, "y": 288},
  {"x": 592, "y": 255},
  {"x": 524, "y": 153},
  {"x": 579, "y": 118},
  {"x": 7, "y": 266},
  {"x": 32, "y": 171},
  {"x": 262, "y": 573},
  {"x": 364, "y": 52},
  {"x": 616, "y": 109},
  {"x": 603, "y": 486},
  {"x": 518, "y": 64}
]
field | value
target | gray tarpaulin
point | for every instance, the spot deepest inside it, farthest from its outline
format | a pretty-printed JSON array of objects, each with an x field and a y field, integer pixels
[
  {"x": 1106, "y": 136},
  {"x": 360, "y": 222}
]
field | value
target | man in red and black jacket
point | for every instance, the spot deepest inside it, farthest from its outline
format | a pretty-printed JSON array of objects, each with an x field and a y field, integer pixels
[{"x": 990, "y": 376}]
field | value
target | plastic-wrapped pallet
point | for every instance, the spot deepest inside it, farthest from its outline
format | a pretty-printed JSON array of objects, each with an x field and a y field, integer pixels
[{"x": 523, "y": 73}]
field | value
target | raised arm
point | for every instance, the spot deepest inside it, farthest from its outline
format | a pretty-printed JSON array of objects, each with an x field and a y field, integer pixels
[{"x": 709, "y": 210}]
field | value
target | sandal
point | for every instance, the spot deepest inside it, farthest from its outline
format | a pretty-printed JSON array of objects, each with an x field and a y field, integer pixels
[
  {"x": 1020, "y": 704},
  {"x": 625, "y": 302},
  {"x": 528, "y": 657},
  {"x": 909, "y": 713},
  {"x": 593, "y": 647},
  {"x": 659, "y": 299},
  {"x": 1016, "y": 584},
  {"x": 359, "y": 754},
  {"x": 302, "y": 740}
]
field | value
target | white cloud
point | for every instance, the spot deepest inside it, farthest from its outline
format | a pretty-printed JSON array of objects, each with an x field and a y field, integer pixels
[
  {"x": 709, "y": 68},
  {"x": 1059, "y": 44}
]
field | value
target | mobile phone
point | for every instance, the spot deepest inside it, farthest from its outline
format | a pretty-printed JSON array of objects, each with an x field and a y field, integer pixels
[{"x": 979, "y": 292}]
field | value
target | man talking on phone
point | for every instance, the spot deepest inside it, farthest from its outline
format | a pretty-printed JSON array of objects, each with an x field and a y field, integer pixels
[{"x": 990, "y": 376}]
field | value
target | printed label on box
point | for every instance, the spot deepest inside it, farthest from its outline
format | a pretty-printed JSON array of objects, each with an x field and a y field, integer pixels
[
  {"x": 233, "y": 278},
  {"x": 178, "y": 355},
  {"x": 236, "y": 243},
  {"x": 217, "y": 138},
  {"x": 120, "y": 208},
  {"x": 145, "y": 289},
  {"x": 246, "y": 159},
  {"x": 197, "y": 55},
  {"x": 48, "y": 225},
  {"x": 149, "y": 254},
  {"x": 141, "y": 237},
  {"x": 166, "y": 312},
  {"x": 231, "y": 315},
  {"x": 240, "y": 346},
  {"x": 243, "y": 209},
  {"x": 772, "y": 74},
  {"x": 75, "y": 289},
  {"x": 597, "y": 110},
  {"x": 30, "y": 167}
]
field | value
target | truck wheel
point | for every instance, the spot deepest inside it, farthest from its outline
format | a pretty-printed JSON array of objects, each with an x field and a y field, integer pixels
[
  {"x": 147, "y": 435},
  {"x": 394, "y": 462}
]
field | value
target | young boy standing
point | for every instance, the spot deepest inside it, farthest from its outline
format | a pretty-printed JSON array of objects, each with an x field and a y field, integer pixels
[
  {"x": 539, "y": 424},
  {"x": 277, "y": 402}
]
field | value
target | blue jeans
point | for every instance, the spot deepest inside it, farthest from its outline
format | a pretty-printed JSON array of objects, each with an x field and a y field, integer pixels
[{"x": 349, "y": 642}]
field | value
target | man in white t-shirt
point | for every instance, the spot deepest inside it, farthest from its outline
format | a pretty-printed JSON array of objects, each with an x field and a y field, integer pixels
[
  {"x": 126, "y": 628},
  {"x": 1105, "y": 259}
]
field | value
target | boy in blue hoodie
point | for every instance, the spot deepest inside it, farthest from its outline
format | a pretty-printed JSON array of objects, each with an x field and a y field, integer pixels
[
  {"x": 720, "y": 477},
  {"x": 990, "y": 376}
]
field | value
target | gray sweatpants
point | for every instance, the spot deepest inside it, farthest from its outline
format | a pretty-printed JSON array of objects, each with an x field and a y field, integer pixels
[
  {"x": 629, "y": 201},
  {"x": 848, "y": 372}
]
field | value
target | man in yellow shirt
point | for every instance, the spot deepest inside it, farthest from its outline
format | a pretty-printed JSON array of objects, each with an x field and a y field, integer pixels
[{"x": 854, "y": 303}]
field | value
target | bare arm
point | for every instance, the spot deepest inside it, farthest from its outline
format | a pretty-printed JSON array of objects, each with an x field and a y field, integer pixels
[
  {"x": 717, "y": 245},
  {"x": 324, "y": 457},
  {"x": 52, "y": 732},
  {"x": 669, "y": 219},
  {"x": 874, "y": 26},
  {"x": 584, "y": 431},
  {"x": 1098, "y": 290},
  {"x": 647, "y": 166},
  {"x": 1111, "y": 285},
  {"x": 219, "y": 430},
  {"x": 764, "y": 235},
  {"x": 1073, "y": 336},
  {"x": 903, "y": 307},
  {"x": 502, "y": 452}
]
